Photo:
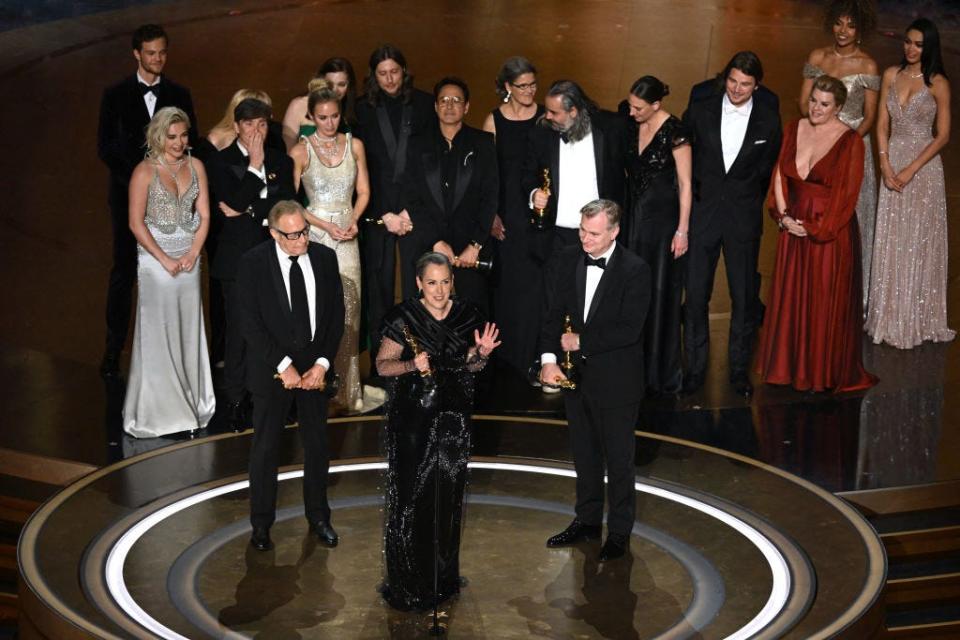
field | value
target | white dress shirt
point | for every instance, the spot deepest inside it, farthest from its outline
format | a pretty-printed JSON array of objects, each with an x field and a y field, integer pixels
[
  {"x": 149, "y": 98},
  {"x": 260, "y": 173},
  {"x": 307, "y": 269},
  {"x": 594, "y": 273},
  {"x": 578, "y": 170},
  {"x": 733, "y": 128}
]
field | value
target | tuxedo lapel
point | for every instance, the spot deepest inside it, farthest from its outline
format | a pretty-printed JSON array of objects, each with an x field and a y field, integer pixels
[
  {"x": 276, "y": 279},
  {"x": 714, "y": 126},
  {"x": 318, "y": 279},
  {"x": 236, "y": 160},
  {"x": 464, "y": 174},
  {"x": 135, "y": 104},
  {"x": 581, "y": 278},
  {"x": 598, "y": 147},
  {"x": 555, "y": 167},
  {"x": 431, "y": 171}
]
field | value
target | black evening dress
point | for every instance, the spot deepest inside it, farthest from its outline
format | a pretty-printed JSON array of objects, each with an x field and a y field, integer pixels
[
  {"x": 519, "y": 283},
  {"x": 416, "y": 437},
  {"x": 654, "y": 213}
]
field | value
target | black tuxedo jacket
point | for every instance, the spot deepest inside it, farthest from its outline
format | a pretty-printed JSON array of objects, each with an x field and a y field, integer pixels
[
  {"x": 610, "y": 359},
  {"x": 734, "y": 198},
  {"x": 124, "y": 119},
  {"x": 388, "y": 152},
  {"x": 266, "y": 318},
  {"x": 609, "y": 148},
  {"x": 240, "y": 190},
  {"x": 476, "y": 190}
]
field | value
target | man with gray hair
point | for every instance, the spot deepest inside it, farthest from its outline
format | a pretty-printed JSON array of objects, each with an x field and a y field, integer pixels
[
  {"x": 597, "y": 298},
  {"x": 290, "y": 307}
]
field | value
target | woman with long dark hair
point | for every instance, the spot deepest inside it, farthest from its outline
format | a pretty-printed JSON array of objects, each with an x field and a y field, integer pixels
[
  {"x": 336, "y": 73},
  {"x": 908, "y": 286}
]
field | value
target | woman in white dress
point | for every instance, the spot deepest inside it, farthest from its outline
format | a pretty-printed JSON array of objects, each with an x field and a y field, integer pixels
[
  {"x": 332, "y": 167},
  {"x": 169, "y": 389}
]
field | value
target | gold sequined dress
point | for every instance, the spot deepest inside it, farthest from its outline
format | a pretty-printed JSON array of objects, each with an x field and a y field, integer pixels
[
  {"x": 330, "y": 193},
  {"x": 857, "y": 85},
  {"x": 908, "y": 285}
]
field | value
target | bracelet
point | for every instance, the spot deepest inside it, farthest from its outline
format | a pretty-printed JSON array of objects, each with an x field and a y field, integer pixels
[
  {"x": 680, "y": 234},
  {"x": 882, "y": 153}
]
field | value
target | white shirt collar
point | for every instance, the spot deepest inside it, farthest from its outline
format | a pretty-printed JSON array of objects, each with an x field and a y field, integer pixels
[
  {"x": 242, "y": 148},
  {"x": 149, "y": 84},
  {"x": 609, "y": 252},
  {"x": 743, "y": 110}
]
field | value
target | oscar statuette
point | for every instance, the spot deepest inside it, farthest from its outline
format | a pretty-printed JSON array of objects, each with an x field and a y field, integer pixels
[
  {"x": 429, "y": 383},
  {"x": 567, "y": 365},
  {"x": 538, "y": 216}
]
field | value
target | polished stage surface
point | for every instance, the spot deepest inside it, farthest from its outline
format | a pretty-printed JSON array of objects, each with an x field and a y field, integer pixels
[{"x": 55, "y": 258}]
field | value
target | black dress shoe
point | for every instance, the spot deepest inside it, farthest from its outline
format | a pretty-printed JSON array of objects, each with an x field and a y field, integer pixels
[
  {"x": 325, "y": 533},
  {"x": 615, "y": 546},
  {"x": 576, "y": 532},
  {"x": 110, "y": 365},
  {"x": 741, "y": 384},
  {"x": 260, "y": 539},
  {"x": 691, "y": 383},
  {"x": 236, "y": 417}
]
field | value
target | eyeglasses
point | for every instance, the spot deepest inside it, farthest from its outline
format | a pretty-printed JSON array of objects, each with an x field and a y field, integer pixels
[
  {"x": 526, "y": 86},
  {"x": 448, "y": 101},
  {"x": 294, "y": 235}
]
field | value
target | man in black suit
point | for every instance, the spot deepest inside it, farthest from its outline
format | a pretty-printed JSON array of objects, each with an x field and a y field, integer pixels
[
  {"x": 736, "y": 140},
  {"x": 605, "y": 290},
  {"x": 248, "y": 178},
  {"x": 583, "y": 148},
  {"x": 389, "y": 115},
  {"x": 451, "y": 190},
  {"x": 291, "y": 310},
  {"x": 125, "y": 110}
]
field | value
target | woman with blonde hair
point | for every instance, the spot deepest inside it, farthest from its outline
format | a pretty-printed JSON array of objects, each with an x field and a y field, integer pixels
[{"x": 169, "y": 387}]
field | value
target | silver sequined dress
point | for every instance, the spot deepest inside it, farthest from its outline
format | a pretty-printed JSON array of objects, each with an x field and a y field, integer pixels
[
  {"x": 852, "y": 115},
  {"x": 908, "y": 286},
  {"x": 330, "y": 192},
  {"x": 169, "y": 388}
]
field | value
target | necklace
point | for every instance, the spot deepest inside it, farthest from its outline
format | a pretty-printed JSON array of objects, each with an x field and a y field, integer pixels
[
  {"x": 173, "y": 174},
  {"x": 328, "y": 148},
  {"x": 916, "y": 75},
  {"x": 855, "y": 51}
]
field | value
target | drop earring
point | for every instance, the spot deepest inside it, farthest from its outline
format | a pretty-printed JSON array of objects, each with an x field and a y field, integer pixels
[{"x": 506, "y": 98}]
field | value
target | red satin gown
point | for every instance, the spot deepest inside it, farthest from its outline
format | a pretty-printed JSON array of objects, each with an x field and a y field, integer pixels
[{"x": 814, "y": 322}]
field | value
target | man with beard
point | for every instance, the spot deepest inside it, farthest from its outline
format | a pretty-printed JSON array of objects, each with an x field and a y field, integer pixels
[
  {"x": 125, "y": 110},
  {"x": 582, "y": 150}
]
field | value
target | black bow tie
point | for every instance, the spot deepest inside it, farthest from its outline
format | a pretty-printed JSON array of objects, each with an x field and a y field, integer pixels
[
  {"x": 594, "y": 262},
  {"x": 149, "y": 88}
]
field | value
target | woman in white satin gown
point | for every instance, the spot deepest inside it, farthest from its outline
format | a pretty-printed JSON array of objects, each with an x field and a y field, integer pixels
[
  {"x": 332, "y": 166},
  {"x": 169, "y": 388}
]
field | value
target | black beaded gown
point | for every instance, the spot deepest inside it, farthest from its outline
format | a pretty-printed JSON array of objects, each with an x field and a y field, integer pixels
[
  {"x": 654, "y": 213},
  {"x": 519, "y": 283},
  {"x": 416, "y": 436}
]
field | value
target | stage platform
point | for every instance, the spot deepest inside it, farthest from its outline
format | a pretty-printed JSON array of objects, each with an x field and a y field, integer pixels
[{"x": 723, "y": 547}]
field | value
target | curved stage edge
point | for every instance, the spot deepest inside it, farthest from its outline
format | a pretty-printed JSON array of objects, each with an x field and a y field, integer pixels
[{"x": 723, "y": 547}]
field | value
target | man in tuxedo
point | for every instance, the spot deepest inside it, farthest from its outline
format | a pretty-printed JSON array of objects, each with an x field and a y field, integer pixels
[
  {"x": 290, "y": 305},
  {"x": 125, "y": 110},
  {"x": 736, "y": 140},
  {"x": 583, "y": 149},
  {"x": 605, "y": 290},
  {"x": 451, "y": 190},
  {"x": 389, "y": 115},
  {"x": 248, "y": 178}
]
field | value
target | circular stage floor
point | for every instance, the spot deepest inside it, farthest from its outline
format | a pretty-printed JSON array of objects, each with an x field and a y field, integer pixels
[{"x": 723, "y": 547}]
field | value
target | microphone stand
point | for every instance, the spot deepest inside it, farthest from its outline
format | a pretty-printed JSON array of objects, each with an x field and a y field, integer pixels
[{"x": 430, "y": 391}]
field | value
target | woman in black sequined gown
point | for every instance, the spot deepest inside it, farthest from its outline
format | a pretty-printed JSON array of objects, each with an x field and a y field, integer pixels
[
  {"x": 428, "y": 419},
  {"x": 659, "y": 178}
]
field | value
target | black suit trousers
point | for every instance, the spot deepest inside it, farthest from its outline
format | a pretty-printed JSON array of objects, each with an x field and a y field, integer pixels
[
  {"x": 379, "y": 264},
  {"x": 603, "y": 439},
  {"x": 123, "y": 273},
  {"x": 269, "y": 414},
  {"x": 740, "y": 258}
]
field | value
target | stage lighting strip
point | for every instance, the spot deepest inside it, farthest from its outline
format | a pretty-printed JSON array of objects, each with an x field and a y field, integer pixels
[{"x": 117, "y": 557}]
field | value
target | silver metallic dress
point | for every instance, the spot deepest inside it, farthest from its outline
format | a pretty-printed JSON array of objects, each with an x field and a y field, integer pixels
[
  {"x": 908, "y": 286},
  {"x": 852, "y": 115},
  {"x": 330, "y": 192},
  {"x": 169, "y": 388}
]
